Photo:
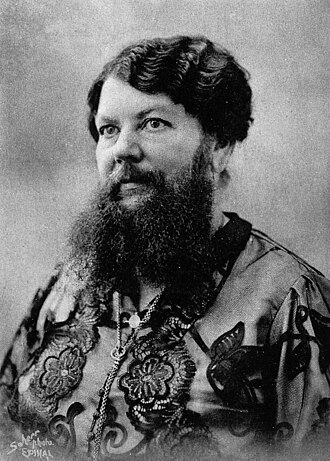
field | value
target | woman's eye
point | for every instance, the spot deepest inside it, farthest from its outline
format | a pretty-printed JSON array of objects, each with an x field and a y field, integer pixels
[
  {"x": 108, "y": 131},
  {"x": 155, "y": 124}
]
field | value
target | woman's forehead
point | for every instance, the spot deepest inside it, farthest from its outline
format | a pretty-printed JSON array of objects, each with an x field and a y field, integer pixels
[{"x": 118, "y": 99}]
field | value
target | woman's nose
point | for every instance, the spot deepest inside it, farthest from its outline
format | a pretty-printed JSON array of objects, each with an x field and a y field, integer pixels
[{"x": 127, "y": 148}]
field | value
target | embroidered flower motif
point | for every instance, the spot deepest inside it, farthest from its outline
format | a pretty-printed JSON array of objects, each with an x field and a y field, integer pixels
[
  {"x": 62, "y": 372},
  {"x": 147, "y": 381},
  {"x": 156, "y": 384}
]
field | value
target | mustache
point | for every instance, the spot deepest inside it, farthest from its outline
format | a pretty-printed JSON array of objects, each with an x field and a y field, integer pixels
[{"x": 129, "y": 172}]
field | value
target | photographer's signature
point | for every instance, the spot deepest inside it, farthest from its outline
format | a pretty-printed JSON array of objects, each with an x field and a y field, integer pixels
[{"x": 32, "y": 446}]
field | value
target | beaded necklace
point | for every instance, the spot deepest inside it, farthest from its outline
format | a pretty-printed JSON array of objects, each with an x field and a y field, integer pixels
[{"x": 118, "y": 354}]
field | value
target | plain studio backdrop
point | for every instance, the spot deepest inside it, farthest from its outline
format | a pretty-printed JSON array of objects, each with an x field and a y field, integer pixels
[{"x": 51, "y": 52}]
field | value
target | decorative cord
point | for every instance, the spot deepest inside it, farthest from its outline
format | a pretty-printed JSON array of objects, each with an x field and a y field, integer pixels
[{"x": 118, "y": 354}]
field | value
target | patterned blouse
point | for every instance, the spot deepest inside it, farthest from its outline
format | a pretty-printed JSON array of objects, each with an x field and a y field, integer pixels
[{"x": 239, "y": 371}]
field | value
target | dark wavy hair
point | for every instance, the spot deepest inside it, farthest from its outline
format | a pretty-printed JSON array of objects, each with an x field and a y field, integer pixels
[{"x": 192, "y": 71}]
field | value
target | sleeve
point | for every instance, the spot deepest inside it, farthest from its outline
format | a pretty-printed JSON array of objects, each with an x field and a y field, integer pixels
[
  {"x": 300, "y": 363},
  {"x": 26, "y": 340},
  {"x": 47, "y": 304}
]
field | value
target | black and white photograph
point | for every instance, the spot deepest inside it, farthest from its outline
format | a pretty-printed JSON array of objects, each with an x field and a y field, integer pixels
[{"x": 165, "y": 244}]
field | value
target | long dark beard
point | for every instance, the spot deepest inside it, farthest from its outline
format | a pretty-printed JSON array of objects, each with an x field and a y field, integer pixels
[{"x": 165, "y": 240}]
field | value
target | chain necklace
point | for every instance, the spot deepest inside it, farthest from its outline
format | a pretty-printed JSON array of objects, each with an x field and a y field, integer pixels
[{"x": 118, "y": 354}]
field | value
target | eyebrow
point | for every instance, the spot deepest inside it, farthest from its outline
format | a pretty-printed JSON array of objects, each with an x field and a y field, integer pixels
[{"x": 106, "y": 119}]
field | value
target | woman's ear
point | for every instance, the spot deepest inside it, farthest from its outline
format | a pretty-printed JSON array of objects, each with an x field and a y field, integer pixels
[{"x": 220, "y": 159}]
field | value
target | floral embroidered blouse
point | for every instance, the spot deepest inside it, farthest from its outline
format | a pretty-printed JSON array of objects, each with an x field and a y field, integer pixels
[{"x": 239, "y": 371}]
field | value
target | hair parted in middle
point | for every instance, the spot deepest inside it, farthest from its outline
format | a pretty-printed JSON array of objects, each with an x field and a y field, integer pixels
[{"x": 192, "y": 71}]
